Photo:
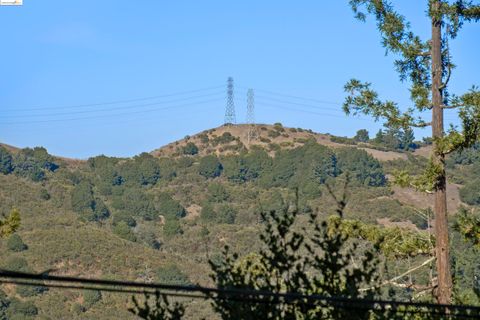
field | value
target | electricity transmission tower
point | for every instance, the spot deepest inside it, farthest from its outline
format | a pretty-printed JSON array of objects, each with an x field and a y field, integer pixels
[
  {"x": 230, "y": 117},
  {"x": 251, "y": 134}
]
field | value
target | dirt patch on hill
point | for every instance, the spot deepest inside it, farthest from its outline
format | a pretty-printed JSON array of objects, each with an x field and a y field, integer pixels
[
  {"x": 423, "y": 201},
  {"x": 193, "y": 211}
]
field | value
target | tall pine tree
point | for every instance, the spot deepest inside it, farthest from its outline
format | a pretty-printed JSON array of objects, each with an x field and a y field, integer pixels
[{"x": 427, "y": 66}]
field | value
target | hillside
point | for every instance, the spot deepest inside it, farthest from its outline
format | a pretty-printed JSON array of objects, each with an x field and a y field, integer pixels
[{"x": 160, "y": 216}]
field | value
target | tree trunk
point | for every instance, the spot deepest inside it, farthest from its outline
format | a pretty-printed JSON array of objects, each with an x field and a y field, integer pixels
[{"x": 444, "y": 293}]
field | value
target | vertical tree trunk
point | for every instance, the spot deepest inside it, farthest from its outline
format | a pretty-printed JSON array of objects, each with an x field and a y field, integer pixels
[{"x": 444, "y": 292}]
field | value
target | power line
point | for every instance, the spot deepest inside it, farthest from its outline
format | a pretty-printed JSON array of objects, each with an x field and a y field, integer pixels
[
  {"x": 295, "y": 97},
  {"x": 111, "y": 115},
  {"x": 313, "y": 112},
  {"x": 110, "y": 102},
  {"x": 65, "y": 282},
  {"x": 115, "y": 108}
]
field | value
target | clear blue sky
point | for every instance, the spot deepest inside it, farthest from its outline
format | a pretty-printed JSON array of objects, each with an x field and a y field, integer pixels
[{"x": 58, "y": 53}]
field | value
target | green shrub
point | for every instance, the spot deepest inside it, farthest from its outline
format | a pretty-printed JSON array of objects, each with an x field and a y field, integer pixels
[
  {"x": 19, "y": 308},
  {"x": 44, "y": 195},
  {"x": 208, "y": 213},
  {"x": 226, "y": 214},
  {"x": 172, "y": 227},
  {"x": 217, "y": 192},
  {"x": 172, "y": 275},
  {"x": 470, "y": 193},
  {"x": 91, "y": 297},
  {"x": 273, "y": 134},
  {"x": 124, "y": 216},
  {"x": 210, "y": 167},
  {"x": 17, "y": 264},
  {"x": 122, "y": 230},
  {"x": 190, "y": 149},
  {"x": 16, "y": 244}
]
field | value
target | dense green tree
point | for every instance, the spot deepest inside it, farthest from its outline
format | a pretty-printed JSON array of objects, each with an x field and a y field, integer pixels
[
  {"x": 142, "y": 170},
  {"x": 169, "y": 207},
  {"x": 426, "y": 65},
  {"x": 363, "y": 167},
  {"x": 137, "y": 202},
  {"x": 210, "y": 167},
  {"x": 16, "y": 244},
  {"x": 6, "y": 165},
  {"x": 362, "y": 136},
  {"x": 190, "y": 149},
  {"x": 82, "y": 197},
  {"x": 32, "y": 163}
]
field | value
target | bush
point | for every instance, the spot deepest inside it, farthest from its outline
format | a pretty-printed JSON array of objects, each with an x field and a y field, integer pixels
[
  {"x": 21, "y": 308},
  {"x": 172, "y": 275},
  {"x": 44, "y": 195},
  {"x": 124, "y": 216},
  {"x": 217, "y": 193},
  {"x": 91, "y": 297},
  {"x": 470, "y": 193},
  {"x": 273, "y": 134},
  {"x": 122, "y": 230},
  {"x": 208, "y": 214},
  {"x": 15, "y": 243},
  {"x": 172, "y": 227},
  {"x": 190, "y": 149},
  {"x": 226, "y": 214},
  {"x": 210, "y": 167},
  {"x": 17, "y": 264}
]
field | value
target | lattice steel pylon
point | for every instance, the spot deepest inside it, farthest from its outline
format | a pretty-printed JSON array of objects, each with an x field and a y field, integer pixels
[
  {"x": 251, "y": 133},
  {"x": 230, "y": 117}
]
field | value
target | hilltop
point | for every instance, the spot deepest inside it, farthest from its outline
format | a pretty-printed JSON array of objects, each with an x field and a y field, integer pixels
[{"x": 232, "y": 139}]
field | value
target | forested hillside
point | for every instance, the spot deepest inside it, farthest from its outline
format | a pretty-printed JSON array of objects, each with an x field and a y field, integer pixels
[{"x": 161, "y": 216}]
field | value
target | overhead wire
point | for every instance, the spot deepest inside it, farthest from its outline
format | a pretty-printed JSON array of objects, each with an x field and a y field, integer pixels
[
  {"x": 111, "y": 102},
  {"x": 115, "y": 108},
  {"x": 111, "y": 115},
  {"x": 215, "y": 293}
]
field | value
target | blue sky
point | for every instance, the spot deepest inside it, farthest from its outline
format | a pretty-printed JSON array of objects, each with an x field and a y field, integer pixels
[{"x": 60, "y": 57}]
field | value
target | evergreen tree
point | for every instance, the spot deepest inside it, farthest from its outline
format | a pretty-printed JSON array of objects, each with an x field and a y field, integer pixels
[
  {"x": 362, "y": 136},
  {"x": 6, "y": 165},
  {"x": 427, "y": 65}
]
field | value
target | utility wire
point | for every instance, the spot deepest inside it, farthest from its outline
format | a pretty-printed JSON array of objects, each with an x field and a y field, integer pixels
[
  {"x": 294, "y": 96},
  {"x": 268, "y": 105},
  {"x": 111, "y": 115},
  {"x": 111, "y": 102},
  {"x": 114, "y": 108},
  {"x": 224, "y": 293}
]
